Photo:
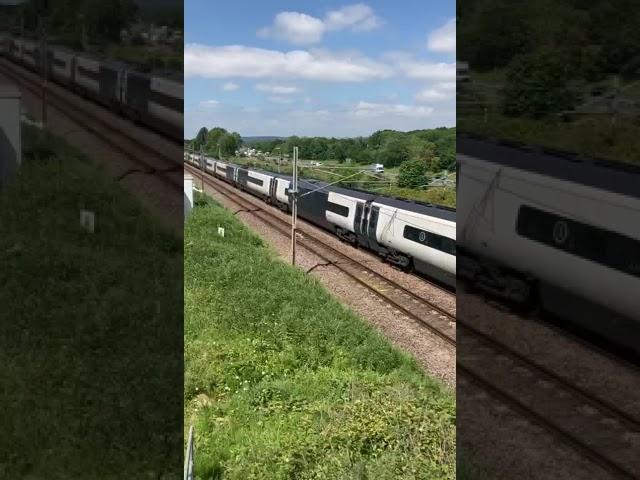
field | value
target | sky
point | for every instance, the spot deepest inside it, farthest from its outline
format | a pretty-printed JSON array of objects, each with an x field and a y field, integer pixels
[{"x": 319, "y": 68}]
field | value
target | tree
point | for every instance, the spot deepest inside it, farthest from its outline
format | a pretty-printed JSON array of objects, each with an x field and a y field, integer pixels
[
  {"x": 394, "y": 152},
  {"x": 229, "y": 143},
  {"x": 412, "y": 174},
  {"x": 537, "y": 84},
  {"x": 201, "y": 138},
  {"x": 213, "y": 138}
]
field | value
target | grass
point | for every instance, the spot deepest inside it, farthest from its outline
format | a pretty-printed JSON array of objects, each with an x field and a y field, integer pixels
[
  {"x": 91, "y": 326},
  {"x": 147, "y": 57},
  {"x": 591, "y": 136},
  {"x": 468, "y": 468},
  {"x": 588, "y": 134},
  {"x": 282, "y": 382}
]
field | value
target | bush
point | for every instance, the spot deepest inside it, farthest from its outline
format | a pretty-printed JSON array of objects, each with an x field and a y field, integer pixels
[
  {"x": 537, "y": 85},
  {"x": 412, "y": 174}
]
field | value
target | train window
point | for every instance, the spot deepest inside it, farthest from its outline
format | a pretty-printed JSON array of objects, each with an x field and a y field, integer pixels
[
  {"x": 255, "y": 181},
  {"x": 338, "y": 209},
  {"x": 430, "y": 239},
  {"x": 88, "y": 73},
  {"x": 596, "y": 244}
]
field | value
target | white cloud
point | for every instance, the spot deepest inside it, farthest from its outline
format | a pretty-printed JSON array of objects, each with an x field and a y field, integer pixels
[
  {"x": 436, "y": 93},
  {"x": 277, "y": 89},
  {"x": 443, "y": 72},
  {"x": 294, "y": 27},
  {"x": 209, "y": 104},
  {"x": 443, "y": 39},
  {"x": 230, "y": 86},
  {"x": 367, "y": 109},
  {"x": 447, "y": 86},
  {"x": 301, "y": 29},
  {"x": 430, "y": 94},
  {"x": 358, "y": 17},
  {"x": 249, "y": 62}
]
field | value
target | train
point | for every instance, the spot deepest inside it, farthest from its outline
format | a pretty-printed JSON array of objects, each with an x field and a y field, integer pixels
[
  {"x": 414, "y": 236},
  {"x": 552, "y": 231},
  {"x": 151, "y": 100}
]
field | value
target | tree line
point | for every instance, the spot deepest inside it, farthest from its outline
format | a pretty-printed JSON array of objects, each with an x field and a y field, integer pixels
[
  {"x": 550, "y": 50},
  {"x": 418, "y": 153}
]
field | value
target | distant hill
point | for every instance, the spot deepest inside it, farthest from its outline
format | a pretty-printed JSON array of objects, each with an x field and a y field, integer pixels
[{"x": 260, "y": 139}]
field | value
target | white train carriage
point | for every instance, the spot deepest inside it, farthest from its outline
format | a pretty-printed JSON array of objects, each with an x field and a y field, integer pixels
[
  {"x": 154, "y": 101},
  {"x": 557, "y": 228},
  {"x": 280, "y": 188},
  {"x": 408, "y": 234},
  {"x": 61, "y": 64},
  {"x": 220, "y": 169},
  {"x": 429, "y": 239},
  {"x": 15, "y": 49},
  {"x": 103, "y": 81},
  {"x": 31, "y": 54},
  {"x": 258, "y": 183},
  {"x": 209, "y": 164},
  {"x": 166, "y": 105},
  {"x": 341, "y": 212}
]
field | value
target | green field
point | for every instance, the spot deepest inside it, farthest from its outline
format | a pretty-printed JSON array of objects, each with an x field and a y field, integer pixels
[
  {"x": 594, "y": 135},
  {"x": 88, "y": 326},
  {"x": 283, "y": 382}
]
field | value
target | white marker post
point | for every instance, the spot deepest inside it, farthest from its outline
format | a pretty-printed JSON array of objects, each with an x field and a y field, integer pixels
[{"x": 294, "y": 205}]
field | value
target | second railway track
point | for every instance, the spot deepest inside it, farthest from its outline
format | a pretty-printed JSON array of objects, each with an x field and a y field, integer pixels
[
  {"x": 596, "y": 428},
  {"x": 147, "y": 158},
  {"x": 435, "y": 318}
]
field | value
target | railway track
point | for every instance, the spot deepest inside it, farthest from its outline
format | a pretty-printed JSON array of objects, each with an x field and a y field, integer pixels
[
  {"x": 147, "y": 158},
  {"x": 436, "y": 319},
  {"x": 596, "y": 428}
]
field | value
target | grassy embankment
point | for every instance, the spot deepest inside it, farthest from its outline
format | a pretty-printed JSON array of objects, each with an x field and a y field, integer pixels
[
  {"x": 146, "y": 57},
  {"x": 384, "y": 184},
  {"x": 594, "y": 135},
  {"x": 281, "y": 381},
  {"x": 90, "y": 325}
]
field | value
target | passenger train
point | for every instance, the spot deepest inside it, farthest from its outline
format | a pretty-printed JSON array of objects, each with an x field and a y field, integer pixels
[
  {"x": 411, "y": 235},
  {"x": 154, "y": 101},
  {"x": 551, "y": 229}
]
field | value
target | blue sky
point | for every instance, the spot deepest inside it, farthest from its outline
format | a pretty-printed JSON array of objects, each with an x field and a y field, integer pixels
[{"x": 319, "y": 68}]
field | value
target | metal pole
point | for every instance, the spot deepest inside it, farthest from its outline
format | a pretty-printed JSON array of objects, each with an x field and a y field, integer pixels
[
  {"x": 188, "y": 458},
  {"x": 294, "y": 205}
]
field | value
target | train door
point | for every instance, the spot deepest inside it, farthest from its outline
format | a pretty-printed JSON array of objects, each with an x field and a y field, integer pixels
[
  {"x": 273, "y": 186},
  {"x": 366, "y": 224},
  {"x": 372, "y": 226},
  {"x": 358, "y": 223}
]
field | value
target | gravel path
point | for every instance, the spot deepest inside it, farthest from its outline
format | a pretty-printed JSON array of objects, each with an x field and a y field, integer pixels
[{"x": 432, "y": 353}]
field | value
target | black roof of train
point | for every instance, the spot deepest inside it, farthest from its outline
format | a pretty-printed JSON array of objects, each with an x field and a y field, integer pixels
[
  {"x": 438, "y": 211},
  {"x": 445, "y": 213},
  {"x": 612, "y": 176}
]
